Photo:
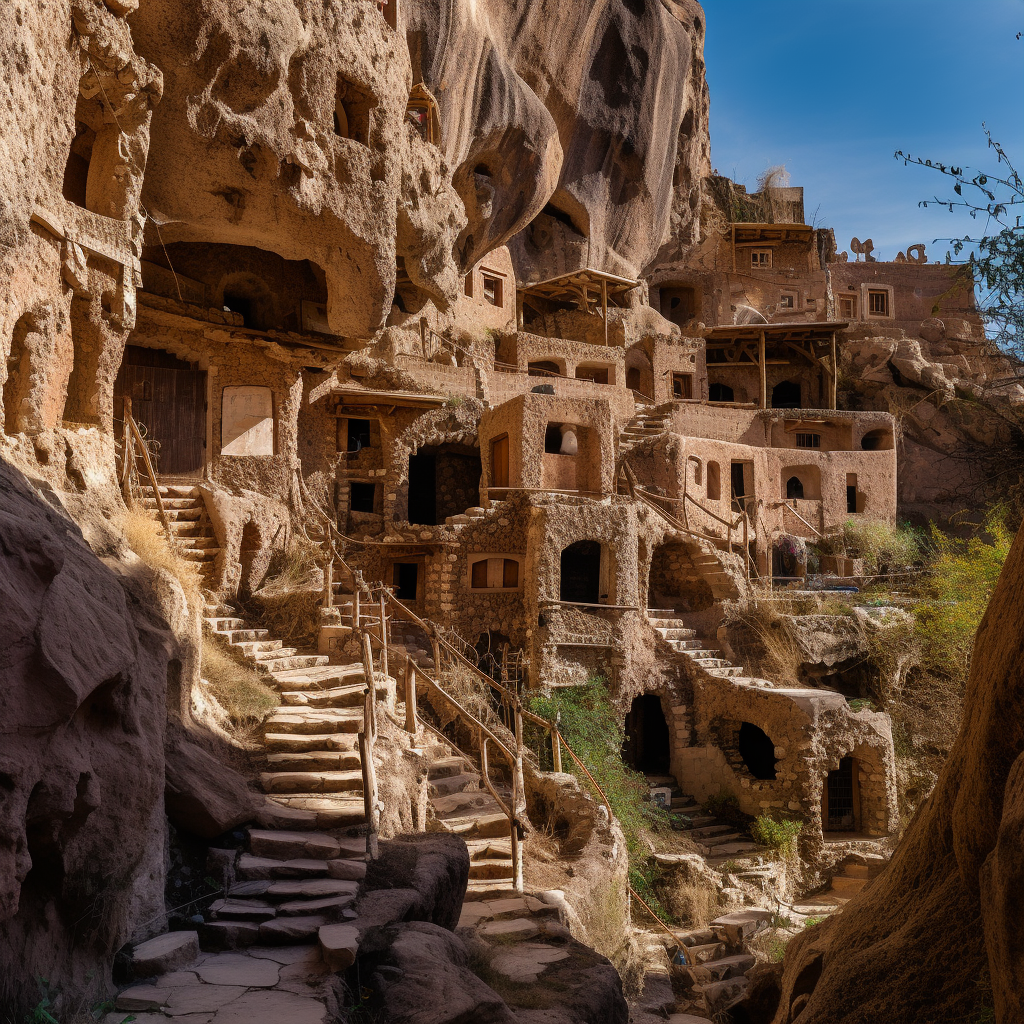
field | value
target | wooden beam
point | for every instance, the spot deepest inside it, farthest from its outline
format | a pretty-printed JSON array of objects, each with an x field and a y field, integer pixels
[
  {"x": 835, "y": 374},
  {"x": 604, "y": 308},
  {"x": 763, "y": 371}
]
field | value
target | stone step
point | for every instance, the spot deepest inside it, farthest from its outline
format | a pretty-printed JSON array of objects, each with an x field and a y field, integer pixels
[
  {"x": 336, "y": 812},
  {"x": 314, "y": 720},
  {"x": 494, "y": 847},
  {"x": 338, "y": 697},
  {"x": 492, "y": 824},
  {"x": 242, "y": 910},
  {"x": 848, "y": 886},
  {"x": 723, "y": 838},
  {"x": 253, "y": 648},
  {"x": 310, "y": 742},
  {"x": 464, "y": 783},
  {"x": 319, "y": 676},
  {"x": 491, "y": 867},
  {"x": 274, "y": 654},
  {"x": 313, "y": 761},
  {"x": 489, "y": 889},
  {"x": 172, "y": 490},
  {"x": 288, "y": 890},
  {"x": 672, "y": 633},
  {"x": 708, "y": 830},
  {"x": 191, "y": 554},
  {"x": 463, "y": 804},
  {"x": 182, "y": 515},
  {"x": 293, "y": 661},
  {"x": 239, "y": 635},
  {"x": 445, "y": 767},
  {"x": 175, "y": 503},
  {"x": 251, "y": 868},
  {"x": 224, "y": 624},
  {"x": 727, "y": 671},
  {"x": 194, "y": 541},
  {"x": 281, "y": 844},
  {"x": 312, "y": 782}
]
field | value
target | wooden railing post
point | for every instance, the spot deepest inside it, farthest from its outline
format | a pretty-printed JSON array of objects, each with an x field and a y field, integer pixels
[
  {"x": 150, "y": 473},
  {"x": 371, "y": 681},
  {"x": 383, "y": 634},
  {"x": 556, "y": 745},
  {"x": 329, "y": 580},
  {"x": 410, "y": 696},
  {"x": 355, "y": 606}
]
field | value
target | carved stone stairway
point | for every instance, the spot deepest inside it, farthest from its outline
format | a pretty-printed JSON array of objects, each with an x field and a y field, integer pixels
[{"x": 189, "y": 521}]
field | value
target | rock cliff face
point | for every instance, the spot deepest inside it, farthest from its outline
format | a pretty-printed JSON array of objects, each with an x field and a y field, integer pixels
[
  {"x": 561, "y": 124},
  {"x": 88, "y": 669},
  {"x": 920, "y": 943}
]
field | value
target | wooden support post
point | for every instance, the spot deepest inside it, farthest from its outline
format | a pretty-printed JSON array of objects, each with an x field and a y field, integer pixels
[
  {"x": 763, "y": 369},
  {"x": 127, "y": 456},
  {"x": 151, "y": 474},
  {"x": 517, "y": 858},
  {"x": 556, "y": 750},
  {"x": 371, "y": 801},
  {"x": 383, "y": 634},
  {"x": 329, "y": 581},
  {"x": 519, "y": 806},
  {"x": 355, "y": 606},
  {"x": 833, "y": 396},
  {"x": 410, "y": 696},
  {"x": 371, "y": 682},
  {"x": 604, "y": 308}
]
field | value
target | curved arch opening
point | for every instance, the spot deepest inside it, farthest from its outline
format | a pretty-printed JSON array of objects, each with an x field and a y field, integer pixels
[
  {"x": 786, "y": 395},
  {"x": 719, "y": 392},
  {"x": 794, "y": 487},
  {"x": 757, "y": 751}
]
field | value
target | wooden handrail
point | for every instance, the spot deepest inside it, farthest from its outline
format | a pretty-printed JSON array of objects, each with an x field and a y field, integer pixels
[
  {"x": 149, "y": 470},
  {"x": 815, "y": 530}
]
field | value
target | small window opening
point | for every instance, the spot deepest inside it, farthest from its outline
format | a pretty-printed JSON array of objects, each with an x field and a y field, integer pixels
[
  {"x": 760, "y": 259},
  {"x": 757, "y": 751},
  {"x": 847, "y": 307},
  {"x": 492, "y": 290},
  {"x": 787, "y": 301},
  {"x": 543, "y": 368},
  {"x": 840, "y": 816},
  {"x": 509, "y": 573},
  {"x": 468, "y": 289},
  {"x": 714, "y": 482},
  {"x": 878, "y": 303},
  {"x": 553, "y": 439},
  {"x": 352, "y": 111},
  {"x": 358, "y": 435},
  {"x": 478, "y": 574},
  {"x": 786, "y": 395},
  {"x": 595, "y": 374},
  {"x": 682, "y": 385},
  {"x": 361, "y": 496},
  {"x": 738, "y": 486},
  {"x": 406, "y": 580},
  {"x": 720, "y": 393},
  {"x": 580, "y": 579},
  {"x": 808, "y": 440},
  {"x": 875, "y": 440},
  {"x": 795, "y": 488}
]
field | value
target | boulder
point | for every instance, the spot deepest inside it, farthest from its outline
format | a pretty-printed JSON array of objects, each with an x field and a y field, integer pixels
[
  {"x": 165, "y": 953},
  {"x": 202, "y": 795},
  {"x": 422, "y": 877}
]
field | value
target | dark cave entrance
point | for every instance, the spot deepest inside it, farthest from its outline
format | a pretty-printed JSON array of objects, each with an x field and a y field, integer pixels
[{"x": 646, "y": 745}]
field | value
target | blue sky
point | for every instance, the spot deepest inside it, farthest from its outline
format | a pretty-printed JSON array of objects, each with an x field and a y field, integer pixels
[{"x": 831, "y": 88}]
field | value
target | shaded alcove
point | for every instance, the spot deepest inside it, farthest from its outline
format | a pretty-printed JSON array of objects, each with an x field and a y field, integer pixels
[
  {"x": 786, "y": 395},
  {"x": 580, "y": 579},
  {"x": 646, "y": 745},
  {"x": 443, "y": 481},
  {"x": 840, "y": 811},
  {"x": 758, "y": 751}
]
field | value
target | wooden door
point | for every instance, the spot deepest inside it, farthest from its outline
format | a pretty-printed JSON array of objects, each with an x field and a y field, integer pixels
[
  {"x": 499, "y": 461},
  {"x": 169, "y": 404}
]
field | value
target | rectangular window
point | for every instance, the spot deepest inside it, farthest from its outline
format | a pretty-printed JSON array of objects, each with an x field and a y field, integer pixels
[
  {"x": 494, "y": 574},
  {"x": 878, "y": 303},
  {"x": 492, "y": 290},
  {"x": 808, "y": 440},
  {"x": 848, "y": 307},
  {"x": 597, "y": 374},
  {"x": 358, "y": 435},
  {"x": 469, "y": 285},
  {"x": 361, "y": 496},
  {"x": 760, "y": 259},
  {"x": 787, "y": 301},
  {"x": 682, "y": 385}
]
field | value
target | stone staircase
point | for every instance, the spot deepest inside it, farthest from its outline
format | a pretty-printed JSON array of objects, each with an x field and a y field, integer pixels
[
  {"x": 718, "y": 842},
  {"x": 190, "y": 523},
  {"x": 648, "y": 422},
  {"x": 853, "y": 875}
]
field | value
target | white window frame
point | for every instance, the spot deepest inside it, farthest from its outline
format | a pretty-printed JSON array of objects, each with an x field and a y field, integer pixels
[{"x": 865, "y": 298}]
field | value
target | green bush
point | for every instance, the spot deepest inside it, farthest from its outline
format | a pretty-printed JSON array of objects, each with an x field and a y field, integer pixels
[
  {"x": 778, "y": 834},
  {"x": 885, "y": 548},
  {"x": 962, "y": 575}
]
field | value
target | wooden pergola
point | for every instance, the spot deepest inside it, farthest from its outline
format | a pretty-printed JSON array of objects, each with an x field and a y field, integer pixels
[
  {"x": 749, "y": 344},
  {"x": 767, "y": 235},
  {"x": 585, "y": 288}
]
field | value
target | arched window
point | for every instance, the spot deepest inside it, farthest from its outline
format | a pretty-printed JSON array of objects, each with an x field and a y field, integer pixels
[
  {"x": 757, "y": 751},
  {"x": 794, "y": 487},
  {"x": 718, "y": 392}
]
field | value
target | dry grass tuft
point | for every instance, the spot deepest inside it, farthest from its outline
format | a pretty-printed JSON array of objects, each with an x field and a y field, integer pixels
[
  {"x": 779, "y": 657},
  {"x": 693, "y": 903},
  {"x": 237, "y": 688},
  {"x": 289, "y": 602},
  {"x": 145, "y": 537}
]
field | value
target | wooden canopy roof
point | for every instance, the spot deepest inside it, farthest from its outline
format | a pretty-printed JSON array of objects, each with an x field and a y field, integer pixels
[{"x": 771, "y": 233}]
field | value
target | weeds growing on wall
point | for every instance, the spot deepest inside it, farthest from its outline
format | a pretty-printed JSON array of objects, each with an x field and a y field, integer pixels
[
  {"x": 289, "y": 601},
  {"x": 779, "y": 834},
  {"x": 885, "y": 548},
  {"x": 237, "y": 688},
  {"x": 590, "y": 725},
  {"x": 145, "y": 537}
]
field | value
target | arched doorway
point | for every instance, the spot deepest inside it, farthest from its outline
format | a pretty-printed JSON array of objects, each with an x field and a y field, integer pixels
[
  {"x": 169, "y": 401},
  {"x": 646, "y": 744},
  {"x": 719, "y": 392},
  {"x": 758, "y": 751},
  {"x": 786, "y": 395},
  {"x": 794, "y": 487},
  {"x": 580, "y": 580}
]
